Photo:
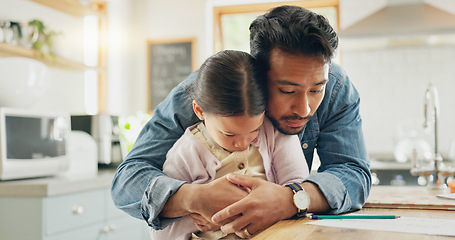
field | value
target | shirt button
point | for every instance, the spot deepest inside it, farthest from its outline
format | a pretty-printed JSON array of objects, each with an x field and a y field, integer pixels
[
  {"x": 241, "y": 165},
  {"x": 305, "y": 145}
]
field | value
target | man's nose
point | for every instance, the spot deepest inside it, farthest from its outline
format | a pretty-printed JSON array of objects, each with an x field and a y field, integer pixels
[{"x": 301, "y": 106}]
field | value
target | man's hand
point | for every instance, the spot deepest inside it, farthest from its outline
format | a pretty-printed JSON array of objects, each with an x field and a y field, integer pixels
[
  {"x": 266, "y": 204},
  {"x": 204, "y": 200},
  {"x": 214, "y": 196}
]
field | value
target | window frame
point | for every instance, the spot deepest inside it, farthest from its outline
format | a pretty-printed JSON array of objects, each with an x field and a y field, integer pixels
[{"x": 218, "y": 11}]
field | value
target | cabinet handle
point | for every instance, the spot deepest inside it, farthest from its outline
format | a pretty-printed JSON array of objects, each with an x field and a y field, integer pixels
[
  {"x": 78, "y": 209},
  {"x": 112, "y": 227},
  {"x": 105, "y": 229},
  {"x": 108, "y": 228}
]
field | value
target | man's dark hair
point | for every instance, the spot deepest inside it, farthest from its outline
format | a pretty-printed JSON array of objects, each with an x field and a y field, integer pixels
[
  {"x": 231, "y": 83},
  {"x": 293, "y": 30}
]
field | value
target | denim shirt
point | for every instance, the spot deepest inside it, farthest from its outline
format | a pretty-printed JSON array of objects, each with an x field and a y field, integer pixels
[{"x": 141, "y": 189}]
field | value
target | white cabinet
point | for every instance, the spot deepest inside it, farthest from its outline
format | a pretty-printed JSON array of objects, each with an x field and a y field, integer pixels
[
  {"x": 121, "y": 226},
  {"x": 87, "y": 215}
]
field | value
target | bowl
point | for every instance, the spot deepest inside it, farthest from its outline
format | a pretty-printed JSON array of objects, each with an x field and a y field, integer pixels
[{"x": 23, "y": 81}]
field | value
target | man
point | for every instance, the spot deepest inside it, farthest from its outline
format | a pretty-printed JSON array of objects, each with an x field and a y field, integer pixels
[{"x": 308, "y": 96}]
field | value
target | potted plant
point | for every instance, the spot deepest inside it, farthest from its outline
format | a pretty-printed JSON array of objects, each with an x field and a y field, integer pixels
[{"x": 41, "y": 38}]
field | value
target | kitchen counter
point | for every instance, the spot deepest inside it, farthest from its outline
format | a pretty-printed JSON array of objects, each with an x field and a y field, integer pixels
[
  {"x": 390, "y": 164},
  {"x": 53, "y": 186}
]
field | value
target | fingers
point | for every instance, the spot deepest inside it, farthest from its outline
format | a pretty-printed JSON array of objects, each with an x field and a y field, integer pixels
[
  {"x": 203, "y": 228},
  {"x": 242, "y": 205},
  {"x": 228, "y": 220},
  {"x": 229, "y": 212},
  {"x": 259, "y": 210},
  {"x": 242, "y": 180},
  {"x": 244, "y": 233},
  {"x": 241, "y": 223},
  {"x": 207, "y": 206},
  {"x": 197, "y": 218},
  {"x": 203, "y": 224},
  {"x": 238, "y": 227}
]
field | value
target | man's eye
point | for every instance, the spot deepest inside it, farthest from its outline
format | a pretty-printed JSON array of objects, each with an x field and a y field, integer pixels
[
  {"x": 318, "y": 91},
  {"x": 286, "y": 92}
]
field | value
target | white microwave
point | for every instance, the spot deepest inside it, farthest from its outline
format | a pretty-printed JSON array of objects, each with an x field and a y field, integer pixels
[{"x": 33, "y": 143}]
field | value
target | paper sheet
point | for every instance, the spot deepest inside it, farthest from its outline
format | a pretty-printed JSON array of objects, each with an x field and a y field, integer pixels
[
  {"x": 443, "y": 227},
  {"x": 448, "y": 196}
]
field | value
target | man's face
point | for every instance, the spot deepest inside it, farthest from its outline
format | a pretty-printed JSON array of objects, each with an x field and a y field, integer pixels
[{"x": 296, "y": 87}]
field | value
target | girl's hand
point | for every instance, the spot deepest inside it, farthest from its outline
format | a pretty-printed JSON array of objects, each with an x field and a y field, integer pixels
[{"x": 203, "y": 224}]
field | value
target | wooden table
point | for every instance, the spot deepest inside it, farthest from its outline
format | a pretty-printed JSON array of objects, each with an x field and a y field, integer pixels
[{"x": 295, "y": 229}]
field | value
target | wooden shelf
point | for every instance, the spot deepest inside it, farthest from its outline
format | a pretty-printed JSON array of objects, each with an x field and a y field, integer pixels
[
  {"x": 76, "y": 8},
  {"x": 16, "y": 51}
]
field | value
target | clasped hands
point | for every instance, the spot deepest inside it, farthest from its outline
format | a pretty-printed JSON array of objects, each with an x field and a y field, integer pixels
[{"x": 240, "y": 204}]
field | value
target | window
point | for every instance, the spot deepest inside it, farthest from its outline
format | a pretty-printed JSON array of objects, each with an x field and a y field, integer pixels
[{"x": 231, "y": 23}]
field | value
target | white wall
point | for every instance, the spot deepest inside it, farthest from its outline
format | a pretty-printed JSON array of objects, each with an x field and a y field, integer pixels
[
  {"x": 392, "y": 81},
  {"x": 122, "y": 56},
  {"x": 133, "y": 22}
]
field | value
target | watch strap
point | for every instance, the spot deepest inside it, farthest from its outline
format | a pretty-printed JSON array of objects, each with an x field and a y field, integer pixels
[{"x": 295, "y": 188}]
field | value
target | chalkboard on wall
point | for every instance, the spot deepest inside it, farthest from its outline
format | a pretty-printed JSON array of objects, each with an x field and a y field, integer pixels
[{"x": 170, "y": 61}]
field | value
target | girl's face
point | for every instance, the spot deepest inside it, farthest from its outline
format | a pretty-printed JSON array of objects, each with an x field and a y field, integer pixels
[{"x": 232, "y": 133}]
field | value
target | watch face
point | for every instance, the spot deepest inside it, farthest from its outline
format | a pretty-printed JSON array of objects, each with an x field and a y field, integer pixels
[{"x": 301, "y": 200}]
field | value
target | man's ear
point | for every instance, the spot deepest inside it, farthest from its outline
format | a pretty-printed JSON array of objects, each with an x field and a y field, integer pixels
[{"x": 198, "y": 110}]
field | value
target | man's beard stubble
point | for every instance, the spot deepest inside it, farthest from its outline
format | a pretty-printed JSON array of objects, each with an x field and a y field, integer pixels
[{"x": 276, "y": 123}]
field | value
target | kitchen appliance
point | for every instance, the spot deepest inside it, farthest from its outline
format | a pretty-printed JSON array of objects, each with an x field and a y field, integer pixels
[
  {"x": 33, "y": 143},
  {"x": 403, "y": 17},
  {"x": 105, "y": 130},
  {"x": 83, "y": 152}
]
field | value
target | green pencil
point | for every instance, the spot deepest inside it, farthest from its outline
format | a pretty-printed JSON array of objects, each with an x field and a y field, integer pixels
[{"x": 353, "y": 217}]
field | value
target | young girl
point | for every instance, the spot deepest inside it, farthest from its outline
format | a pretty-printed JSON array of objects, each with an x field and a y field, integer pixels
[{"x": 230, "y": 98}]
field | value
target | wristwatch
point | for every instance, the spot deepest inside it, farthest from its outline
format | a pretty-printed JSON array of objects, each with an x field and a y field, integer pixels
[{"x": 301, "y": 199}]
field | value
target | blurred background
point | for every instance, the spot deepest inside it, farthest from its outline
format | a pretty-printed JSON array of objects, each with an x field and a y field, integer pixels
[{"x": 391, "y": 50}]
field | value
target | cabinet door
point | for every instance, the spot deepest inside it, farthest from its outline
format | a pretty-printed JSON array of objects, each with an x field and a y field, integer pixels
[
  {"x": 122, "y": 226},
  {"x": 21, "y": 218},
  {"x": 93, "y": 232},
  {"x": 112, "y": 210},
  {"x": 68, "y": 212},
  {"x": 127, "y": 228}
]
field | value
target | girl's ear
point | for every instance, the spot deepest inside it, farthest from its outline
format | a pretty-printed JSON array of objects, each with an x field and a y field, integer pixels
[{"x": 198, "y": 110}]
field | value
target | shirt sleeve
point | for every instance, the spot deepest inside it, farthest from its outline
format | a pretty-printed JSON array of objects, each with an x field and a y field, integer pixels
[
  {"x": 343, "y": 177},
  {"x": 140, "y": 188}
]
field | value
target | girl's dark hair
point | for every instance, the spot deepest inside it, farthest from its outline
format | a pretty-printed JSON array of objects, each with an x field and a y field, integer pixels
[
  {"x": 231, "y": 83},
  {"x": 294, "y": 30}
]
